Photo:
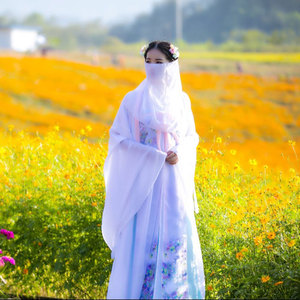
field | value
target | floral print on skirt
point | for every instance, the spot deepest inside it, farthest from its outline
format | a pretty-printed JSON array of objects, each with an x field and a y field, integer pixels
[{"x": 173, "y": 271}]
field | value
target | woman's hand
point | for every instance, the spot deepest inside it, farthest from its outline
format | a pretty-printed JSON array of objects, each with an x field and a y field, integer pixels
[{"x": 172, "y": 157}]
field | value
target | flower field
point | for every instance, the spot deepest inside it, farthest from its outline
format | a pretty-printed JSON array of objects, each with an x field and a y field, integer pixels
[
  {"x": 55, "y": 117},
  {"x": 249, "y": 112}
]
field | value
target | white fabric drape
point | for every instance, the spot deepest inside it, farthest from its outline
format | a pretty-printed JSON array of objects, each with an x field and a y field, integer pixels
[
  {"x": 130, "y": 171},
  {"x": 150, "y": 204},
  {"x": 159, "y": 103}
]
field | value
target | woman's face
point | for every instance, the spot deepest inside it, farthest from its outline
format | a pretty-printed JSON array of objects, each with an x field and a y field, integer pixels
[{"x": 155, "y": 56}]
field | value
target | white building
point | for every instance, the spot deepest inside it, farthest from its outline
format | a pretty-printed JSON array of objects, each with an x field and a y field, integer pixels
[{"x": 21, "y": 38}]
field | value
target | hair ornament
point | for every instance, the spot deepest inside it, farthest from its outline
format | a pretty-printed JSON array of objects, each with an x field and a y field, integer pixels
[
  {"x": 143, "y": 49},
  {"x": 174, "y": 51}
]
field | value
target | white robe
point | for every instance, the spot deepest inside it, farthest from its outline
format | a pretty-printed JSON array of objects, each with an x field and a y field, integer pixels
[{"x": 148, "y": 219}]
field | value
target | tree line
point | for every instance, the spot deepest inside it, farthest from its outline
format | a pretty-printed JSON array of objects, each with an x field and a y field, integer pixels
[{"x": 230, "y": 23}]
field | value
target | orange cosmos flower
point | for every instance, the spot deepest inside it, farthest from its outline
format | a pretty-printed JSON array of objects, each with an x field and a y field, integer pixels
[
  {"x": 271, "y": 235},
  {"x": 265, "y": 278}
]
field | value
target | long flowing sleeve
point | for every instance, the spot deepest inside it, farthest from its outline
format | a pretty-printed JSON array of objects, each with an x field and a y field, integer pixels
[
  {"x": 130, "y": 170},
  {"x": 186, "y": 149}
]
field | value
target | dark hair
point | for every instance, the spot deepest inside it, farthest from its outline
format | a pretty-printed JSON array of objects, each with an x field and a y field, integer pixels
[{"x": 163, "y": 46}]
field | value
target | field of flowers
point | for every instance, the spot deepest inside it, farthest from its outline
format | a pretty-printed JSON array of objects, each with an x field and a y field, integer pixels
[
  {"x": 52, "y": 196},
  {"x": 250, "y": 112},
  {"x": 54, "y": 119}
]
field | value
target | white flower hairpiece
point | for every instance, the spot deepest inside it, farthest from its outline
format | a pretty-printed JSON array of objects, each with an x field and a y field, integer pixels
[
  {"x": 143, "y": 49},
  {"x": 174, "y": 51}
]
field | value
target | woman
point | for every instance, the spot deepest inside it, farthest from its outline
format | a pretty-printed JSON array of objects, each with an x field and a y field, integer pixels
[{"x": 148, "y": 219}]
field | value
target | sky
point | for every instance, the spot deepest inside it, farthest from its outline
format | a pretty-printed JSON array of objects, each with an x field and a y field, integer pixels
[{"x": 108, "y": 11}]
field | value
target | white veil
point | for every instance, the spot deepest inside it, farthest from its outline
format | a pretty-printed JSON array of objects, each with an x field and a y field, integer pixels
[{"x": 160, "y": 100}]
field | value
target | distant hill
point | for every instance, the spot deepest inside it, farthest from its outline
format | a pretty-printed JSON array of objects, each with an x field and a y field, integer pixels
[{"x": 217, "y": 21}]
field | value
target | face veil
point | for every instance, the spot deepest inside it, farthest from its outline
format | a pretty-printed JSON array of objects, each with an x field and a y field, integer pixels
[{"x": 159, "y": 103}]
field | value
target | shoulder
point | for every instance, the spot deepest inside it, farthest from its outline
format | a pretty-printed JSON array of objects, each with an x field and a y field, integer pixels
[
  {"x": 131, "y": 97},
  {"x": 128, "y": 99},
  {"x": 127, "y": 104}
]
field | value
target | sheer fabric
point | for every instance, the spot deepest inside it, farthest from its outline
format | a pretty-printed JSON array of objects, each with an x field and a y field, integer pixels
[
  {"x": 160, "y": 99},
  {"x": 148, "y": 219}
]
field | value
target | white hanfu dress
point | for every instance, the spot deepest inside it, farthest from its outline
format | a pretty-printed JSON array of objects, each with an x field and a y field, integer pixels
[{"x": 148, "y": 219}]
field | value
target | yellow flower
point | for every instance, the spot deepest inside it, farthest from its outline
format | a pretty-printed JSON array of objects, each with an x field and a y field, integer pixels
[
  {"x": 219, "y": 140},
  {"x": 237, "y": 190},
  {"x": 204, "y": 150},
  {"x": 271, "y": 235},
  {"x": 291, "y": 243},
  {"x": 253, "y": 162},
  {"x": 291, "y": 170},
  {"x": 237, "y": 166},
  {"x": 258, "y": 240},
  {"x": 82, "y": 132},
  {"x": 264, "y": 220},
  {"x": 88, "y": 128},
  {"x": 265, "y": 278},
  {"x": 292, "y": 143},
  {"x": 239, "y": 255},
  {"x": 244, "y": 250},
  {"x": 56, "y": 128},
  {"x": 233, "y": 152}
]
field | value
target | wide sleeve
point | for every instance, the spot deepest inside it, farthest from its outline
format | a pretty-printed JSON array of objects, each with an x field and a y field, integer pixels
[
  {"x": 130, "y": 171},
  {"x": 186, "y": 150}
]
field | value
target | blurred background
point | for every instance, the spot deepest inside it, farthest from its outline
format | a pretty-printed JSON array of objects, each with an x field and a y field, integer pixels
[
  {"x": 70, "y": 63},
  {"x": 95, "y": 27}
]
